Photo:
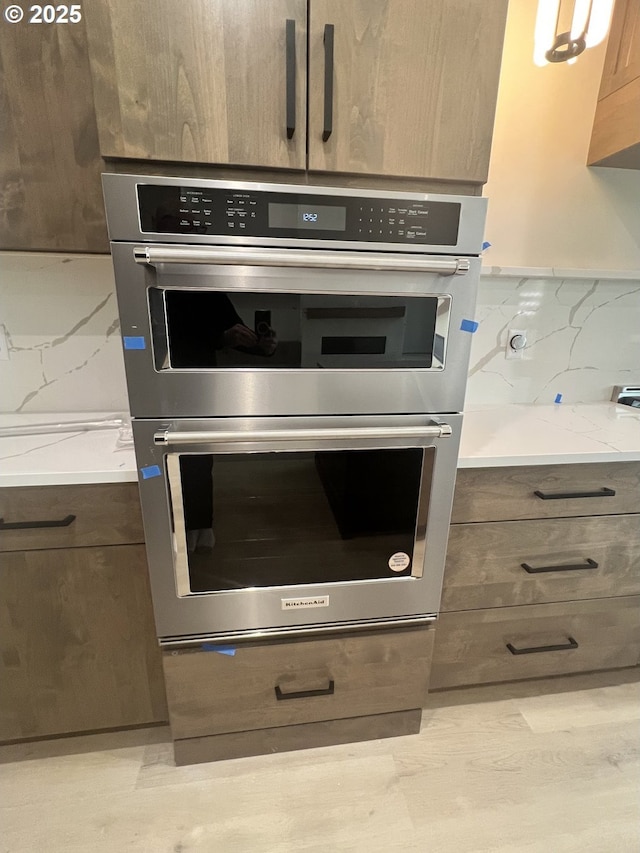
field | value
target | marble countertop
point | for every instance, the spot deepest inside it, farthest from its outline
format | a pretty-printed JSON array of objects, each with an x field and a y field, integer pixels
[
  {"x": 495, "y": 436},
  {"x": 56, "y": 459},
  {"x": 492, "y": 436}
]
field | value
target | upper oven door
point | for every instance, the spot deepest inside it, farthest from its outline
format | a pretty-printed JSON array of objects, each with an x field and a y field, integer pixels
[
  {"x": 219, "y": 331},
  {"x": 254, "y": 523}
]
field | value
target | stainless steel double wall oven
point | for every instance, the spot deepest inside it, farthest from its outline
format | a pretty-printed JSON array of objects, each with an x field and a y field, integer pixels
[{"x": 296, "y": 360}]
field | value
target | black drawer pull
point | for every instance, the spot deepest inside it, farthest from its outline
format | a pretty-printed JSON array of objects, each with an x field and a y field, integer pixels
[
  {"x": 32, "y": 525},
  {"x": 572, "y": 644},
  {"x": 590, "y": 564},
  {"x": 328, "y": 82},
  {"x": 557, "y": 496},
  {"x": 291, "y": 77},
  {"x": 304, "y": 694}
]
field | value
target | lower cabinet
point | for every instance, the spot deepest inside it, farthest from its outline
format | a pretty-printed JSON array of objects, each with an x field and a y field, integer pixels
[
  {"x": 512, "y": 643},
  {"x": 503, "y": 563},
  {"x": 277, "y": 696},
  {"x": 78, "y": 650},
  {"x": 542, "y": 574}
]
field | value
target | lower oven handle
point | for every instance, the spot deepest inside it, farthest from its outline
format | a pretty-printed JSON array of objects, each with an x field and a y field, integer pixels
[
  {"x": 316, "y": 259},
  {"x": 167, "y": 437}
]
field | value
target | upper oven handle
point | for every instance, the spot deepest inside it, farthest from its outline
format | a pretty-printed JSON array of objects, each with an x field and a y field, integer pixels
[
  {"x": 318, "y": 259},
  {"x": 166, "y": 437}
]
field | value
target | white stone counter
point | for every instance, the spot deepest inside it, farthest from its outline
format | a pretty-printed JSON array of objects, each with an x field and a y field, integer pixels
[
  {"x": 492, "y": 436},
  {"x": 504, "y": 435},
  {"x": 60, "y": 458}
]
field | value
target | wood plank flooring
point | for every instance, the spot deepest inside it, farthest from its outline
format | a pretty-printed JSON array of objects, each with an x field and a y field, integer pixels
[{"x": 538, "y": 767}]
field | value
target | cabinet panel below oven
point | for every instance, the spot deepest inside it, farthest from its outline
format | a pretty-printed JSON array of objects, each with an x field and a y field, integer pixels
[{"x": 260, "y": 686}]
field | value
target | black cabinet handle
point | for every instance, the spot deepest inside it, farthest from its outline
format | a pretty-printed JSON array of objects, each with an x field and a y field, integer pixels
[
  {"x": 304, "y": 694},
  {"x": 572, "y": 644},
  {"x": 291, "y": 78},
  {"x": 590, "y": 564},
  {"x": 556, "y": 496},
  {"x": 32, "y": 525},
  {"x": 328, "y": 82}
]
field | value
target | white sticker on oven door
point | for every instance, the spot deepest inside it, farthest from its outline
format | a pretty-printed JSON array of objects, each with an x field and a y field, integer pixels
[{"x": 399, "y": 561}]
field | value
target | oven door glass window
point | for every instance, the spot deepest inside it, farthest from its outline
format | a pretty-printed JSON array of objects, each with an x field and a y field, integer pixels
[
  {"x": 204, "y": 329},
  {"x": 279, "y": 519}
]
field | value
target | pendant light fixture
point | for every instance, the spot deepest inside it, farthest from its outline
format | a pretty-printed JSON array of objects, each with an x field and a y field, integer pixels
[{"x": 589, "y": 26}]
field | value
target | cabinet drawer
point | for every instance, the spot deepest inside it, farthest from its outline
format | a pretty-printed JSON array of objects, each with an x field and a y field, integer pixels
[
  {"x": 70, "y": 516},
  {"x": 496, "y": 494},
  {"x": 347, "y": 676},
  {"x": 471, "y": 647},
  {"x": 485, "y": 561}
]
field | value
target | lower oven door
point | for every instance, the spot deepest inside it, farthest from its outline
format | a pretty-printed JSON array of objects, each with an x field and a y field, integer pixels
[{"x": 285, "y": 524}]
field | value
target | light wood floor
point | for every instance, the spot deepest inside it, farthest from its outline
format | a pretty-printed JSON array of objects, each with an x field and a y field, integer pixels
[{"x": 543, "y": 768}]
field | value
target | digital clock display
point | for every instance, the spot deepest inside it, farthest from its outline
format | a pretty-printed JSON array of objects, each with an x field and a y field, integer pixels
[{"x": 321, "y": 217}]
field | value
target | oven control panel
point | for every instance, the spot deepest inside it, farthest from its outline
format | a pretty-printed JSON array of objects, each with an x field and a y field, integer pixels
[{"x": 230, "y": 212}]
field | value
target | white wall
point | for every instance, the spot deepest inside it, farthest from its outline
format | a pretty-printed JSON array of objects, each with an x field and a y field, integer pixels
[{"x": 546, "y": 207}]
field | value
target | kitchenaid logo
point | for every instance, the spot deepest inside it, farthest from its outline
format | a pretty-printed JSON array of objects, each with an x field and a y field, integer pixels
[{"x": 312, "y": 601}]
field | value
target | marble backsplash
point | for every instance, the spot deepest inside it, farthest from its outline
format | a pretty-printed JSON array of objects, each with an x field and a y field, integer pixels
[
  {"x": 61, "y": 323},
  {"x": 583, "y": 337},
  {"x": 60, "y": 318}
]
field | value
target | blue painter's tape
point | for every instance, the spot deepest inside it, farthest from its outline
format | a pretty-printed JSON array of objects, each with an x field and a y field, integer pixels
[
  {"x": 134, "y": 342},
  {"x": 469, "y": 326},
  {"x": 222, "y": 650},
  {"x": 150, "y": 471},
  {"x": 558, "y": 398},
  {"x": 486, "y": 246}
]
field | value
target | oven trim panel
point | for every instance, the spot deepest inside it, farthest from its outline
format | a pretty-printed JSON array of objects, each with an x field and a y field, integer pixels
[{"x": 253, "y": 610}]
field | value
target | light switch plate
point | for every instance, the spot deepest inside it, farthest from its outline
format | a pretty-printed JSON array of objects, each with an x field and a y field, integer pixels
[{"x": 509, "y": 351}]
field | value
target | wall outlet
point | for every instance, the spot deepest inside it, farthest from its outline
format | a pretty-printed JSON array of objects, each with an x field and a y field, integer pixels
[
  {"x": 4, "y": 346},
  {"x": 516, "y": 343}
]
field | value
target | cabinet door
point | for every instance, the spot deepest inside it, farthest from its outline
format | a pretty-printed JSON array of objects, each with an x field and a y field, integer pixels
[
  {"x": 504, "y": 563},
  {"x": 546, "y": 491},
  {"x": 622, "y": 60},
  {"x": 70, "y": 516},
  {"x": 78, "y": 649},
  {"x": 50, "y": 192},
  {"x": 326, "y": 678},
  {"x": 415, "y": 84},
  {"x": 615, "y": 140},
  {"x": 203, "y": 81},
  {"x": 513, "y": 643}
]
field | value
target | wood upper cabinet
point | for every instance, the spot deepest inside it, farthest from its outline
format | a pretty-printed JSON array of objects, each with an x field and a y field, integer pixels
[
  {"x": 200, "y": 82},
  {"x": 622, "y": 60},
  {"x": 615, "y": 140},
  {"x": 415, "y": 84},
  {"x": 50, "y": 191},
  {"x": 412, "y": 84}
]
